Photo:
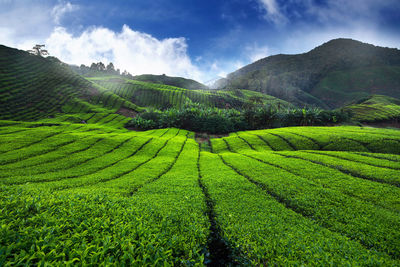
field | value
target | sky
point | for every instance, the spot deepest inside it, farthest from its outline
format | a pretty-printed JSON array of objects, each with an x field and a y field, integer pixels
[{"x": 198, "y": 39}]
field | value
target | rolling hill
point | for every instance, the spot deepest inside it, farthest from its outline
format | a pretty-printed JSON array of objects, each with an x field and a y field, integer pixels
[
  {"x": 334, "y": 74},
  {"x": 173, "y": 81},
  {"x": 77, "y": 188},
  {"x": 376, "y": 108},
  {"x": 165, "y": 96},
  {"x": 33, "y": 88}
]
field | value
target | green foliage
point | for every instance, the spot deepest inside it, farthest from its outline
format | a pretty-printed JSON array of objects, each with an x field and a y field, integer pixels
[
  {"x": 93, "y": 229},
  {"x": 344, "y": 138},
  {"x": 375, "y": 108},
  {"x": 212, "y": 120},
  {"x": 92, "y": 194},
  {"x": 264, "y": 227},
  {"x": 163, "y": 96},
  {"x": 173, "y": 81},
  {"x": 34, "y": 88}
]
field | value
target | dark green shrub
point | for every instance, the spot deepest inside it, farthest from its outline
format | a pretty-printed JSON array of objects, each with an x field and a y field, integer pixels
[{"x": 198, "y": 118}]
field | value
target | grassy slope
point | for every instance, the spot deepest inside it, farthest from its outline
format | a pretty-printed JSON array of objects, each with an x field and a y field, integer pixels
[
  {"x": 162, "y": 96},
  {"x": 375, "y": 108},
  {"x": 342, "y": 87},
  {"x": 33, "y": 87},
  {"x": 173, "y": 81}
]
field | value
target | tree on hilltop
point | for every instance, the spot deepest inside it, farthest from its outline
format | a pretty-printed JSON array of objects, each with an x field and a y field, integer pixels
[
  {"x": 110, "y": 68},
  {"x": 98, "y": 66},
  {"x": 38, "y": 50}
]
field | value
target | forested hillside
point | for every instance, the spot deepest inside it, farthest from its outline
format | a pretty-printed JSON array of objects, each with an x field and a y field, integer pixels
[{"x": 329, "y": 76}]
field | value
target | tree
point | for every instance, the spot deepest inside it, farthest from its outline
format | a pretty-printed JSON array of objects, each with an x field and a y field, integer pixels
[
  {"x": 93, "y": 66},
  {"x": 110, "y": 68},
  {"x": 101, "y": 66},
  {"x": 38, "y": 50}
]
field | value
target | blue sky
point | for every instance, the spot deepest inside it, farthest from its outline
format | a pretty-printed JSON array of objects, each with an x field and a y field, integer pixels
[{"x": 200, "y": 39}]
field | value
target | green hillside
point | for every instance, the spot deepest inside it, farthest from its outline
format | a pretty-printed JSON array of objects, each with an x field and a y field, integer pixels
[
  {"x": 162, "y": 96},
  {"x": 375, "y": 108},
  {"x": 173, "y": 81},
  {"x": 33, "y": 87},
  {"x": 334, "y": 74}
]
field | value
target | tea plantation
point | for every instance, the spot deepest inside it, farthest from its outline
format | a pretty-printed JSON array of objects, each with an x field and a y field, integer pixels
[
  {"x": 78, "y": 188},
  {"x": 91, "y": 194}
]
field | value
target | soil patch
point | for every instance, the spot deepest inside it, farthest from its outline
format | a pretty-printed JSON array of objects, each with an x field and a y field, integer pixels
[
  {"x": 127, "y": 112},
  {"x": 203, "y": 139},
  {"x": 383, "y": 124}
]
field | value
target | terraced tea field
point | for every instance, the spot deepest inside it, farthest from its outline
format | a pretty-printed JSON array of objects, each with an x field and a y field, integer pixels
[
  {"x": 162, "y": 96},
  {"x": 95, "y": 193}
]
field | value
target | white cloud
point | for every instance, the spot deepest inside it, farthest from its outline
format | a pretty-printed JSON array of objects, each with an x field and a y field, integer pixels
[
  {"x": 137, "y": 52},
  {"x": 255, "y": 52},
  {"x": 22, "y": 22},
  {"x": 61, "y": 9},
  {"x": 346, "y": 12},
  {"x": 134, "y": 51},
  {"x": 273, "y": 12}
]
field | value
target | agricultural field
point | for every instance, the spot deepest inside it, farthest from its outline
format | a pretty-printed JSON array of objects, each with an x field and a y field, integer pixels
[
  {"x": 95, "y": 193},
  {"x": 376, "y": 108},
  {"x": 78, "y": 188},
  {"x": 164, "y": 96}
]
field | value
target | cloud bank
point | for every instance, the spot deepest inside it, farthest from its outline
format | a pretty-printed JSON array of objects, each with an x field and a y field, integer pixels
[
  {"x": 257, "y": 29},
  {"x": 129, "y": 50}
]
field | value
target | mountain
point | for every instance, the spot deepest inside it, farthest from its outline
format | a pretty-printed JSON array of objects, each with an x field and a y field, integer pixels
[
  {"x": 173, "y": 81},
  {"x": 329, "y": 76}
]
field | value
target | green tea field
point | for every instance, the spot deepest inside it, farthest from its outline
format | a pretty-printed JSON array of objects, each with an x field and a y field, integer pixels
[{"x": 95, "y": 193}]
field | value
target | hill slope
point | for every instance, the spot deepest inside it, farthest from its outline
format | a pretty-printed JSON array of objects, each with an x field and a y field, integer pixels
[
  {"x": 173, "y": 81},
  {"x": 33, "y": 87},
  {"x": 164, "y": 96},
  {"x": 376, "y": 108},
  {"x": 335, "y": 73}
]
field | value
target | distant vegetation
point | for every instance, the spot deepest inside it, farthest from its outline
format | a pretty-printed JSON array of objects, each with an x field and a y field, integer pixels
[
  {"x": 165, "y": 96},
  {"x": 173, "y": 81},
  {"x": 334, "y": 74},
  {"x": 198, "y": 118},
  {"x": 376, "y": 108},
  {"x": 99, "y": 69}
]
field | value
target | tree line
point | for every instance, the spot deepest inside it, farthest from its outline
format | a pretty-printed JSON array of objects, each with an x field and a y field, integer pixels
[{"x": 102, "y": 68}]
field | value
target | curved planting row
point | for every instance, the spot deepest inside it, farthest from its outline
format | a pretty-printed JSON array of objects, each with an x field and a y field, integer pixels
[
  {"x": 266, "y": 220},
  {"x": 87, "y": 194},
  {"x": 32, "y": 87},
  {"x": 312, "y": 138},
  {"x": 163, "y": 96}
]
